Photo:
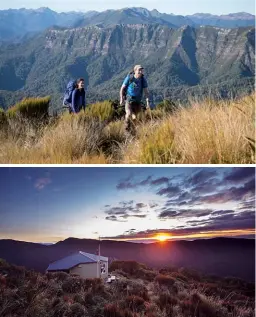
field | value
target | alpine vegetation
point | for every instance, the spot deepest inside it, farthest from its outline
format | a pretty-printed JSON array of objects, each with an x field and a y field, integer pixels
[{"x": 201, "y": 131}]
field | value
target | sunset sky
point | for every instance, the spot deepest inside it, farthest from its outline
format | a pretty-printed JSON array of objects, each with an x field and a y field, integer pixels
[{"x": 134, "y": 204}]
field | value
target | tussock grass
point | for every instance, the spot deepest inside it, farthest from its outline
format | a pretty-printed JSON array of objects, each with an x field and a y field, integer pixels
[
  {"x": 215, "y": 132},
  {"x": 100, "y": 110},
  {"x": 154, "y": 144},
  {"x": 208, "y": 131},
  {"x": 31, "y": 108}
]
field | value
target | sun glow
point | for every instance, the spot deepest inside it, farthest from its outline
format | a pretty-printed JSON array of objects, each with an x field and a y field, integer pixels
[{"x": 162, "y": 237}]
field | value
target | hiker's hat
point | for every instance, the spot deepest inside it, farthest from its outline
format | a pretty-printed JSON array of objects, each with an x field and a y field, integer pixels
[{"x": 138, "y": 67}]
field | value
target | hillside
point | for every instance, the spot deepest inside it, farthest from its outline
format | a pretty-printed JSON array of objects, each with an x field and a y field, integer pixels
[
  {"x": 223, "y": 257},
  {"x": 213, "y": 131},
  {"x": 178, "y": 62},
  {"x": 139, "y": 291}
]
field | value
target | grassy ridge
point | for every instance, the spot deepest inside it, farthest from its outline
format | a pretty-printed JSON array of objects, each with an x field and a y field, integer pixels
[
  {"x": 139, "y": 292},
  {"x": 209, "y": 131}
]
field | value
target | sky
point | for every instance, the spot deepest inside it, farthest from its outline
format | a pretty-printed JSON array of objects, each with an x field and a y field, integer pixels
[
  {"x": 182, "y": 7},
  {"x": 140, "y": 204}
]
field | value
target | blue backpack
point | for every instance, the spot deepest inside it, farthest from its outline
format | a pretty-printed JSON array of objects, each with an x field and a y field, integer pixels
[
  {"x": 68, "y": 92},
  {"x": 131, "y": 78}
]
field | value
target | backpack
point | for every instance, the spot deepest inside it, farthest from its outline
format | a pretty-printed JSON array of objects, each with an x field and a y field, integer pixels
[
  {"x": 131, "y": 77},
  {"x": 68, "y": 92}
]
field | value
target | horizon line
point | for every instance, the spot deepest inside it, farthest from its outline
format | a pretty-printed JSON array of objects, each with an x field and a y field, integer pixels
[
  {"x": 176, "y": 14},
  {"x": 130, "y": 241}
]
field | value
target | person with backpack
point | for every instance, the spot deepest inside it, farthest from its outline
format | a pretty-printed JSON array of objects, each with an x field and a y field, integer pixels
[
  {"x": 131, "y": 93},
  {"x": 74, "y": 96}
]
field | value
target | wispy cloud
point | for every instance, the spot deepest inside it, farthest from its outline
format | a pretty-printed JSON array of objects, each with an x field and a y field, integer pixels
[
  {"x": 42, "y": 182},
  {"x": 131, "y": 183},
  {"x": 125, "y": 210}
]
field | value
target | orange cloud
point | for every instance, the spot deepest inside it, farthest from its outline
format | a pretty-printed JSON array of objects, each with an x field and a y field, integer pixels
[{"x": 198, "y": 235}]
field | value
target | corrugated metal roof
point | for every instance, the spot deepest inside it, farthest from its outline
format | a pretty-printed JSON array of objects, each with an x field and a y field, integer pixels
[
  {"x": 94, "y": 256},
  {"x": 73, "y": 260}
]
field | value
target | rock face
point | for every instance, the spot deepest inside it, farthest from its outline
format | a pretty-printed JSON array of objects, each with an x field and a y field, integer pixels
[{"x": 181, "y": 57}]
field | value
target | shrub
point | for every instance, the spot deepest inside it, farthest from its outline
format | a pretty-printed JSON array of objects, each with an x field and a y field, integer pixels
[
  {"x": 130, "y": 267},
  {"x": 77, "y": 310},
  {"x": 191, "y": 274},
  {"x": 203, "y": 307},
  {"x": 73, "y": 284},
  {"x": 59, "y": 276},
  {"x": 211, "y": 289},
  {"x": 72, "y": 138},
  {"x": 154, "y": 145},
  {"x": 164, "y": 280},
  {"x": 131, "y": 287},
  {"x": 135, "y": 303},
  {"x": 165, "y": 300},
  {"x": 3, "y": 263},
  {"x": 216, "y": 133},
  {"x": 146, "y": 274},
  {"x": 103, "y": 111},
  {"x": 111, "y": 310},
  {"x": 61, "y": 309},
  {"x": 3, "y": 118},
  {"x": 167, "y": 270},
  {"x": 180, "y": 277},
  {"x": 167, "y": 106},
  {"x": 36, "y": 108}
]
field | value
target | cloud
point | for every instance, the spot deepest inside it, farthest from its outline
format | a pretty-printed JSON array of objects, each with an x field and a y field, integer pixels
[
  {"x": 125, "y": 210},
  {"x": 130, "y": 183},
  {"x": 153, "y": 205},
  {"x": 140, "y": 205},
  {"x": 202, "y": 176},
  {"x": 221, "y": 212},
  {"x": 230, "y": 194},
  {"x": 41, "y": 183},
  {"x": 160, "y": 181},
  {"x": 186, "y": 197},
  {"x": 239, "y": 174},
  {"x": 169, "y": 191},
  {"x": 171, "y": 213},
  {"x": 249, "y": 204},
  {"x": 133, "y": 216},
  {"x": 114, "y": 218},
  {"x": 188, "y": 232}
]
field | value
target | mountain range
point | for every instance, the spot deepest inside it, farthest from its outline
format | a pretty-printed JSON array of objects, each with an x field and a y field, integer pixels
[
  {"x": 176, "y": 61},
  {"x": 219, "y": 256},
  {"x": 15, "y": 24}
]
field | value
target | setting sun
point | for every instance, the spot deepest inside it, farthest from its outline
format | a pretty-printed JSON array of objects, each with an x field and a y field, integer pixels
[{"x": 162, "y": 237}]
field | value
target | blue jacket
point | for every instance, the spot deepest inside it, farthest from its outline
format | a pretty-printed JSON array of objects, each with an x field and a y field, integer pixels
[{"x": 78, "y": 100}]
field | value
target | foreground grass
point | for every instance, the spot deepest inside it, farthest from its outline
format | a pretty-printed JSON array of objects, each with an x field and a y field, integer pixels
[
  {"x": 217, "y": 132},
  {"x": 139, "y": 292}
]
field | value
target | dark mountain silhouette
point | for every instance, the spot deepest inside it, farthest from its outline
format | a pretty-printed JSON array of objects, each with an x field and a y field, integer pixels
[{"x": 220, "y": 256}]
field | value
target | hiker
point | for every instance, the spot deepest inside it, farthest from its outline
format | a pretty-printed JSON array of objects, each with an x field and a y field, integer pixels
[
  {"x": 132, "y": 92},
  {"x": 75, "y": 96}
]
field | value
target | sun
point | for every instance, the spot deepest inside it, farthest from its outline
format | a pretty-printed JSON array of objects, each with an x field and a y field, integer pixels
[{"x": 162, "y": 237}]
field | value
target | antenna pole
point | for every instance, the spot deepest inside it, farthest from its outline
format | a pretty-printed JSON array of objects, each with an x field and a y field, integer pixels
[{"x": 99, "y": 267}]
